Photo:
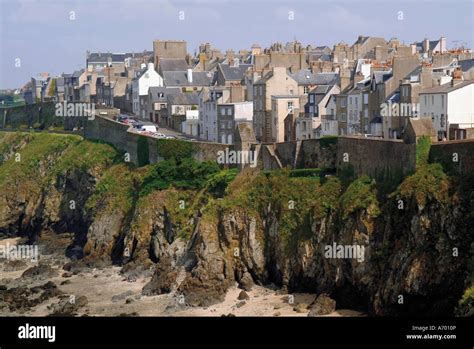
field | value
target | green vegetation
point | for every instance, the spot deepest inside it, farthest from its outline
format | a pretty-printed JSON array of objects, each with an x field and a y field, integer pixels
[
  {"x": 40, "y": 148},
  {"x": 466, "y": 303},
  {"x": 423, "y": 146},
  {"x": 85, "y": 155},
  {"x": 174, "y": 149},
  {"x": 143, "y": 151},
  {"x": 427, "y": 183},
  {"x": 346, "y": 174},
  {"x": 115, "y": 190},
  {"x": 218, "y": 183},
  {"x": 327, "y": 141},
  {"x": 185, "y": 174},
  {"x": 361, "y": 194}
]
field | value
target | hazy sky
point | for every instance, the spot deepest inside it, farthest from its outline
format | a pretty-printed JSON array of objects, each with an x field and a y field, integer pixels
[{"x": 43, "y": 36}]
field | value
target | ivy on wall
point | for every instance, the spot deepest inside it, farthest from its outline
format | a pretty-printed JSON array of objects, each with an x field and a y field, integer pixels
[
  {"x": 174, "y": 149},
  {"x": 143, "y": 151}
]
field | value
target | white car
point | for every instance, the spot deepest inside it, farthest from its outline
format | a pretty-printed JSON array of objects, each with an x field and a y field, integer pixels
[{"x": 149, "y": 128}]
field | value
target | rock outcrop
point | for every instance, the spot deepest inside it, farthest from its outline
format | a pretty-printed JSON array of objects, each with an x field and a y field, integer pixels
[{"x": 411, "y": 248}]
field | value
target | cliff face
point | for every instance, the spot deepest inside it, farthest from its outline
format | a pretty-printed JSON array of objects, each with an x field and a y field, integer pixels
[{"x": 413, "y": 244}]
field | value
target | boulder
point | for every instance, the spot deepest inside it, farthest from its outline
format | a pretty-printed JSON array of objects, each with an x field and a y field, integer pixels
[{"x": 323, "y": 305}]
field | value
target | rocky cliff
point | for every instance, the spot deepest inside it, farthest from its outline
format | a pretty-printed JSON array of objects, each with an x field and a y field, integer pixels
[{"x": 197, "y": 239}]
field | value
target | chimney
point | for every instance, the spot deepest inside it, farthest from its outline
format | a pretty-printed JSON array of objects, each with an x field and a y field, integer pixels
[
  {"x": 236, "y": 63},
  {"x": 413, "y": 49},
  {"x": 190, "y": 75},
  {"x": 426, "y": 77},
  {"x": 151, "y": 66},
  {"x": 457, "y": 77},
  {"x": 426, "y": 45},
  {"x": 442, "y": 44}
]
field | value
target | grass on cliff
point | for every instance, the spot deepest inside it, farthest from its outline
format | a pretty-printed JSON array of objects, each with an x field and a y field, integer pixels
[
  {"x": 423, "y": 146},
  {"x": 86, "y": 155},
  {"x": 361, "y": 194},
  {"x": 428, "y": 183},
  {"x": 116, "y": 189},
  {"x": 36, "y": 157},
  {"x": 185, "y": 174}
]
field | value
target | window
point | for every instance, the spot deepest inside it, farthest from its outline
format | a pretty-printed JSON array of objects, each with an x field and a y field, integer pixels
[
  {"x": 426, "y": 99},
  {"x": 261, "y": 90},
  {"x": 290, "y": 106},
  {"x": 343, "y": 102},
  {"x": 291, "y": 92},
  {"x": 306, "y": 90},
  {"x": 356, "y": 100},
  {"x": 442, "y": 101},
  {"x": 350, "y": 100},
  {"x": 311, "y": 98},
  {"x": 366, "y": 98},
  {"x": 311, "y": 109},
  {"x": 432, "y": 99}
]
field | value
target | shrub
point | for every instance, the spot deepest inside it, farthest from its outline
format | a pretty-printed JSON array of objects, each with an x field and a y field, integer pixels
[
  {"x": 217, "y": 184},
  {"x": 423, "y": 146},
  {"x": 186, "y": 174},
  {"x": 361, "y": 194},
  {"x": 174, "y": 149},
  {"x": 427, "y": 183}
]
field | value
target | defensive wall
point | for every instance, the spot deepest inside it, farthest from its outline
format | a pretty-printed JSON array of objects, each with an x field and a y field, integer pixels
[{"x": 144, "y": 149}]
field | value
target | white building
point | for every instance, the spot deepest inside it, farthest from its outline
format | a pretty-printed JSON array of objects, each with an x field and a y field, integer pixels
[
  {"x": 208, "y": 101},
  {"x": 147, "y": 78},
  {"x": 190, "y": 125},
  {"x": 451, "y": 108}
]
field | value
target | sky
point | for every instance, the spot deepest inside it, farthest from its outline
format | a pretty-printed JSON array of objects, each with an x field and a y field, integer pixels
[{"x": 53, "y": 35}]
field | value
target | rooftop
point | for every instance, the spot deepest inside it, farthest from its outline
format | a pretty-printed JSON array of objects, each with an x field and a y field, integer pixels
[
  {"x": 231, "y": 72},
  {"x": 180, "y": 78},
  {"x": 446, "y": 88}
]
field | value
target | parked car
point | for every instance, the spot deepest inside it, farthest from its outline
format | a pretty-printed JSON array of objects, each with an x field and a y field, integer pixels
[
  {"x": 150, "y": 128},
  {"x": 122, "y": 118}
]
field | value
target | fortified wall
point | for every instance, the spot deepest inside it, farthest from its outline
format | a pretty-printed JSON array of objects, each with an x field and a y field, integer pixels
[
  {"x": 362, "y": 156},
  {"x": 141, "y": 148},
  {"x": 455, "y": 156}
]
